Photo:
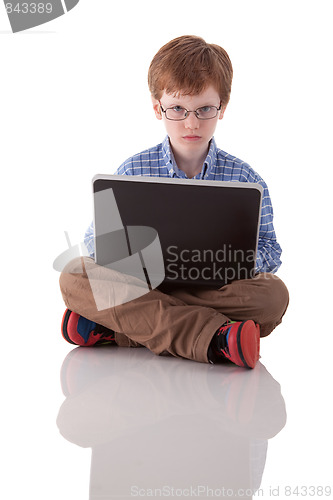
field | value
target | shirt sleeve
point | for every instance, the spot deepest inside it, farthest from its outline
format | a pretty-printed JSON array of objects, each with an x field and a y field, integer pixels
[
  {"x": 269, "y": 251},
  {"x": 89, "y": 240}
]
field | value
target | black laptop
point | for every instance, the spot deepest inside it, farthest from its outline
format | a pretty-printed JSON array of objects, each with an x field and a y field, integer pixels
[{"x": 184, "y": 232}]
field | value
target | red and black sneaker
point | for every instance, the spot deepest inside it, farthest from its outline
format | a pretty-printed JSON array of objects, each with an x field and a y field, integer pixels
[
  {"x": 78, "y": 330},
  {"x": 238, "y": 341}
]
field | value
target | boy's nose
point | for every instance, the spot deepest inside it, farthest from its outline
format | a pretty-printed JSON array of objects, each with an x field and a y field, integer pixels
[{"x": 191, "y": 121}]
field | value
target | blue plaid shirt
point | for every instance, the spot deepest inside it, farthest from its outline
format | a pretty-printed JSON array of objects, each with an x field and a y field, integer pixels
[{"x": 220, "y": 166}]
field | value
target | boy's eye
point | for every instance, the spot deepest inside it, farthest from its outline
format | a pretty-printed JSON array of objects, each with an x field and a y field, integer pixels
[
  {"x": 178, "y": 109},
  {"x": 205, "y": 109}
]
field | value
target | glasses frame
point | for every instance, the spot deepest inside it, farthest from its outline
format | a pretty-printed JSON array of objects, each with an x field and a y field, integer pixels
[{"x": 187, "y": 112}]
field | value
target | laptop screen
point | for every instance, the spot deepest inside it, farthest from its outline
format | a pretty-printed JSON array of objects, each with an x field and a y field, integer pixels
[{"x": 207, "y": 230}]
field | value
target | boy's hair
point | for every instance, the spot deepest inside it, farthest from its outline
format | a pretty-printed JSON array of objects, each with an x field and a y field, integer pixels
[{"x": 187, "y": 65}]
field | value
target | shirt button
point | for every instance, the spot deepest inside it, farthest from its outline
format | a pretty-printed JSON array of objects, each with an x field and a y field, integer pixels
[{"x": 171, "y": 170}]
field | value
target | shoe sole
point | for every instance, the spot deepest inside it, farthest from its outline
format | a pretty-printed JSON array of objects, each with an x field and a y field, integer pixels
[
  {"x": 248, "y": 343},
  {"x": 64, "y": 324}
]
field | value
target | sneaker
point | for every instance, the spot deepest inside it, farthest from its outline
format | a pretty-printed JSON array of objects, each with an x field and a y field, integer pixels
[
  {"x": 238, "y": 341},
  {"x": 78, "y": 330}
]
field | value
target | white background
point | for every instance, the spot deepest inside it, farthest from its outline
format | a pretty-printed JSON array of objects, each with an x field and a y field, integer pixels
[{"x": 75, "y": 102}]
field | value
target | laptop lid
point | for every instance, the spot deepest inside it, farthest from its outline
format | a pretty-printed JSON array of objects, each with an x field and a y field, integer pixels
[{"x": 192, "y": 232}]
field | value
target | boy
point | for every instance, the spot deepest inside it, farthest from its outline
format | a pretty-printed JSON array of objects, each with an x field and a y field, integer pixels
[{"x": 190, "y": 84}]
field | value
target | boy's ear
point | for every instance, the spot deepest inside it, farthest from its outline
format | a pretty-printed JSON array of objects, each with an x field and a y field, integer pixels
[
  {"x": 157, "y": 108},
  {"x": 221, "y": 112}
]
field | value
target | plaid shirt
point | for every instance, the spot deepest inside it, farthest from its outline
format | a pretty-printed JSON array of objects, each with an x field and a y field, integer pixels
[{"x": 220, "y": 166}]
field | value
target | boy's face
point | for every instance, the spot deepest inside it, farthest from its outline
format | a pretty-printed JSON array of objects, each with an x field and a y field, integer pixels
[{"x": 189, "y": 136}]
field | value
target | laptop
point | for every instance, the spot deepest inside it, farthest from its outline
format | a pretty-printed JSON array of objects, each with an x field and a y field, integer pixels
[{"x": 176, "y": 232}]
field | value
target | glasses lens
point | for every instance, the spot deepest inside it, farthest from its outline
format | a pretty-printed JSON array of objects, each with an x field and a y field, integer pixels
[
  {"x": 206, "y": 112},
  {"x": 175, "y": 113},
  {"x": 180, "y": 113}
]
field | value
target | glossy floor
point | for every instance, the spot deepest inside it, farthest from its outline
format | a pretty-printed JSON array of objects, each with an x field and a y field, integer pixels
[
  {"x": 110, "y": 422},
  {"x": 166, "y": 425}
]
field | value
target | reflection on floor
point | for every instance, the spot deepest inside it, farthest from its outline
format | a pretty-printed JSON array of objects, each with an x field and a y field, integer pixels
[{"x": 162, "y": 426}]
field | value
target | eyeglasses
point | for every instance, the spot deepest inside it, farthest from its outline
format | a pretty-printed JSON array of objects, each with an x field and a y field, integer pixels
[{"x": 178, "y": 113}]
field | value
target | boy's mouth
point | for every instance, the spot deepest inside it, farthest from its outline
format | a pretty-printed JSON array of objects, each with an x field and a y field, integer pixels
[{"x": 191, "y": 137}]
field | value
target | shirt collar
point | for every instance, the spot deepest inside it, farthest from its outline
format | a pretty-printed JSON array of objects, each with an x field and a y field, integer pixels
[
  {"x": 171, "y": 164},
  {"x": 211, "y": 158}
]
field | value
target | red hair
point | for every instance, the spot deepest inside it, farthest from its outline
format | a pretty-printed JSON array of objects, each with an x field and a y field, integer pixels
[{"x": 187, "y": 65}]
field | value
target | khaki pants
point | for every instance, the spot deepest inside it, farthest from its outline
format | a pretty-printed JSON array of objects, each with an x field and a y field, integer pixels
[{"x": 182, "y": 321}]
